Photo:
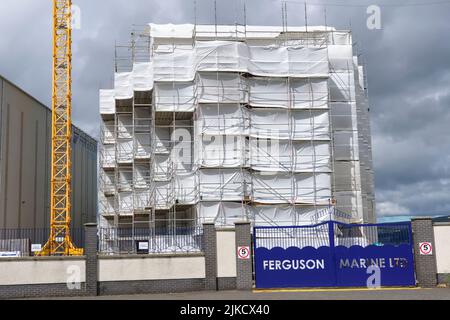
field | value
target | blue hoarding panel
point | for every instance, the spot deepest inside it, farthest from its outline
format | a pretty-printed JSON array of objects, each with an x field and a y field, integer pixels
[
  {"x": 387, "y": 262},
  {"x": 395, "y": 263},
  {"x": 294, "y": 267}
]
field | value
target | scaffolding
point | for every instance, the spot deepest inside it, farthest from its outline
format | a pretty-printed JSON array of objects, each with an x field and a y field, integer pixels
[{"x": 228, "y": 123}]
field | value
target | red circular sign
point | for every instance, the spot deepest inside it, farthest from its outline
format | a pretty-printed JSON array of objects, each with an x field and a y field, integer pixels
[
  {"x": 425, "y": 248},
  {"x": 244, "y": 252}
]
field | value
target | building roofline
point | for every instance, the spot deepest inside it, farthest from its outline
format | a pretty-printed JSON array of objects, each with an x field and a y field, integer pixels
[{"x": 43, "y": 105}]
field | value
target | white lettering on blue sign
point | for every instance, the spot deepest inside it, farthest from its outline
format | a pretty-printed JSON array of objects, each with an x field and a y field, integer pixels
[
  {"x": 363, "y": 263},
  {"x": 311, "y": 264}
]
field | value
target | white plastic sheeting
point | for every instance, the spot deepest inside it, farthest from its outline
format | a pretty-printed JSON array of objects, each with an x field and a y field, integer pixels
[
  {"x": 142, "y": 200},
  {"x": 176, "y": 32},
  {"x": 280, "y": 155},
  {"x": 123, "y": 85},
  {"x": 175, "y": 96},
  {"x": 183, "y": 77},
  {"x": 142, "y": 145},
  {"x": 107, "y": 102},
  {"x": 341, "y": 57},
  {"x": 178, "y": 65},
  {"x": 143, "y": 76},
  {"x": 223, "y": 213},
  {"x": 295, "y": 125},
  {"x": 295, "y": 93},
  {"x": 342, "y": 86},
  {"x": 182, "y": 64},
  {"x": 107, "y": 205},
  {"x": 221, "y": 119},
  {"x": 124, "y": 126},
  {"x": 285, "y": 215},
  {"x": 221, "y": 184},
  {"x": 221, "y": 151},
  {"x": 187, "y": 188},
  {"x": 286, "y": 188},
  {"x": 141, "y": 176},
  {"x": 125, "y": 203},
  {"x": 125, "y": 151},
  {"x": 108, "y": 156},
  {"x": 222, "y": 55},
  {"x": 221, "y": 88},
  {"x": 162, "y": 138},
  {"x": 346, "y": 145},
  {"x": 125, "y": 182}
]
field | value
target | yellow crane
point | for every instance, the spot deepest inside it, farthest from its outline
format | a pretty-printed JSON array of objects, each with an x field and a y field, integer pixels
[{"x": 60, "y": 242}]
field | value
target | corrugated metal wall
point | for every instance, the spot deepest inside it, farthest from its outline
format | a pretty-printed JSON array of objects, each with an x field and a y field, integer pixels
[{"x": 25, "y": 137}]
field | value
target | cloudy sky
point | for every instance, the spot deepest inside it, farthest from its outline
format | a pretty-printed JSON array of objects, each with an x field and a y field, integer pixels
[{"x": 408, "y": 66}]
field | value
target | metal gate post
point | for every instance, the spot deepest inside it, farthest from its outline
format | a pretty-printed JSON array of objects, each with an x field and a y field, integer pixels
[{"x": 332, "y": 245}]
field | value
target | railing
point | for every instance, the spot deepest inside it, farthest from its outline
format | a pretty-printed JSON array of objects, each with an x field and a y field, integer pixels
[
  {"x": 332, "y": 233},
  {"x": 150, "y": 241},
  {"x": 26, "y": 242}
]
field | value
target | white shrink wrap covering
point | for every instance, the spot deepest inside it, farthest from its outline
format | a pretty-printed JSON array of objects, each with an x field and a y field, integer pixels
[
  {"x": 175, "y": 96},
  {"x": 143, "y": 76},
  {"x": 311, "y": 125},
  {"x": 187, "y": 188},
  {"x": 341, "y": 57},
  {"x": 123, "y": 85},
  {"x": 276, "y": 155},
  {"x": 270, "y": 155},
  {"x": 107, "y": 102},
  {"x": 342, "y": 86},
  {"x": 221, "y": 184},
  {"x": 221, "y": 88},
  {"x": 178, "y": 65},
  {"x": 313, "y": 188},
  {"x": 222, "y": 55},
  {"x": 309, "y": 93},
  {"x": 273, "y": 187},
  {"x": 288, "y": 61},
  {"x": 270, "y": 123},
  {"x": 296, "y": 125},
  {"x": 142, "y": 200},
  {"x": 125, "y": 203},
  {"x": 222, "y": 213},
  {"x": 108, "y": 156},
  {"x": 221, "y": 151},
  {"x": 286, "y": 188},
  {"x": 312, "y": 156},
  {"x": 124, "y": 126},
  {"x": 125, "y": 151},
  {"x": 268, "y": 92},
  {"x": 221, "y": 119}
]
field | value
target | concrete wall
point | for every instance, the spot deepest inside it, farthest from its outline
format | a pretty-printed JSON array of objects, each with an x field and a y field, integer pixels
[
  {"x": 25, "y": 142},
  {"x": 442, "y": 248},
  {"x": 39, "y": 270},
  {"x": 151, "y": 267},
  {"x": 226, "y": 253}
]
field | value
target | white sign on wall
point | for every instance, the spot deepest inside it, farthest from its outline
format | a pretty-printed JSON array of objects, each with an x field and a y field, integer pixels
[
  {"x": 36, "y": 247},
  {"x": 243, "y": 253},
  {"x": 426, "y": 248}
]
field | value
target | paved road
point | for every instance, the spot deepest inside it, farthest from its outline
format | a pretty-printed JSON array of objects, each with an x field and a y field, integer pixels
[{"x": 317, "y": 294}]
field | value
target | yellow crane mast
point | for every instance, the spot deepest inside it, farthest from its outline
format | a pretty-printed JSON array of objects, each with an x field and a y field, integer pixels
[{"x": 60, "y": 242}]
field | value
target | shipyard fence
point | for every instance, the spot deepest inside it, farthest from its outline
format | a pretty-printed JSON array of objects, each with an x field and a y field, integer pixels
[
  {"x": 113, "y": 241},
  {"x": 334, "y": 254},
  {"x": 26, "y": 242}
]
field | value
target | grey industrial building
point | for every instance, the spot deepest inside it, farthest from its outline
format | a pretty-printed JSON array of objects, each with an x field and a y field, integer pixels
[{"x": 25, "y": 156}]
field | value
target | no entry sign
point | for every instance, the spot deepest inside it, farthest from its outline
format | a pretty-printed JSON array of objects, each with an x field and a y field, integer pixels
[
  {"x": 243, "y": 253},
  {"x": 425, "y": 248}
]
